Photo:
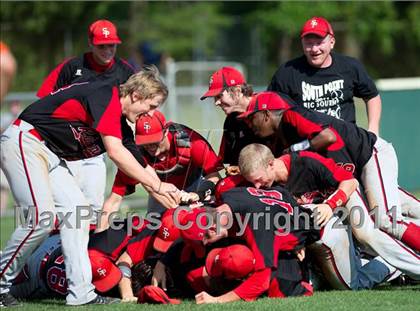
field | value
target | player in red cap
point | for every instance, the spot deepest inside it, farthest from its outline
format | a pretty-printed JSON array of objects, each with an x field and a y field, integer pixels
[
  {"x": 231, "y": 93},
  {"x": 99, "y": 63},
  {"x": 372, "y": 159},
  {"x": 178, "y": 155},
  {"x": 325, "y": 81}
]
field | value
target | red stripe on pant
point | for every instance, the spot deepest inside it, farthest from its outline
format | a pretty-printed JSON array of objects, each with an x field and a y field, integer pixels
[
  {"x": 22, "y": 155},
  {"x": 337, "y": 272},
  {"x": 393, "y": 238},
  {"x": 409, "y": 194},
  {"x": 381, "y": 180}
]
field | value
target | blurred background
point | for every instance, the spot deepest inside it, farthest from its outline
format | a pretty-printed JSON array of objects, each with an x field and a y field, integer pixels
[{"x": 190, "y": 40}]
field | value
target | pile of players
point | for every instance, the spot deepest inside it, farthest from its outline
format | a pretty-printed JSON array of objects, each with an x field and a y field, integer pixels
[{"x": 310, "y": 200}]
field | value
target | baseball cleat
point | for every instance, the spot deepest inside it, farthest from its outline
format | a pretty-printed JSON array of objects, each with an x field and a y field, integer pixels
[{"x": 7, "y": 300}]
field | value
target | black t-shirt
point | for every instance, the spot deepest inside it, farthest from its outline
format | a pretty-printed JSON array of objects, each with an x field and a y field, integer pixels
[
  {"x": 82, "y": 69},
  {"x": 328, "y": 90},
  {"x": 236, "y": 135},
  {"x": 312, "y": 178},
  {"x": 352, "y": 149}
]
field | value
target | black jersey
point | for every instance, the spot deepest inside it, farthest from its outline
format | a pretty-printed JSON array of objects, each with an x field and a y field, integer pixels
[
  {"x": 82, "y": 69},
  {"x": 236, "y": 135},
  {"x": 273, "y": 222},
  {"x": 327, "y": 90},
  {"x": 313, "y": 178},
  {"x": 71, "y": 120},
  {"x": 352, "y": 149}
]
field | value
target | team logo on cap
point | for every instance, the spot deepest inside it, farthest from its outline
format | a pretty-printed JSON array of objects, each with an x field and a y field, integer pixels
[
  {"x": 264, "y": 106},
  {"x": 105, "y": 32},
  {"x": 166, "y": 233},
  {"x": 314, "y": 23},
  {"x": 211, "y": 80},
  {"x": 147, "y": 127},
  {"x": 232, "y": 81},
  {"x": 101, "y": 271}
]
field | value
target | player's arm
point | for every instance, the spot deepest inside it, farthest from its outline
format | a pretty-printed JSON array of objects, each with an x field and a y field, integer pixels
[
  {"x": 59, "y": 77},
  {"x": 111, "y": 204},
  {"x": 374, "y": 109},
  {"x": 126, "y": 162},
  {"x": 250, "y": 289},
  {"x": 125, "y": 263}
]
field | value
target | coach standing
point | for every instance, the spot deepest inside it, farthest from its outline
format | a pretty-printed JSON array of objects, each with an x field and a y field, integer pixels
[
  {"x": 99, "y": 63},
  {"x": 77, "y": 122},
  {"x": 325, "y": 81}
]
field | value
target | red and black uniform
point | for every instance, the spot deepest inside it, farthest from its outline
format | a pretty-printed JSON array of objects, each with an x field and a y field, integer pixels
[
  {"x": 352, "y": 149},
  {"x": 82, "y": 69},
  {"x": 236, "y": 135},
  {"x": 276, "y": 269},
  {"x": 71, "y": 120},
  {"x": 190, "y": 156},
  {"x": 312, "y": 178}
]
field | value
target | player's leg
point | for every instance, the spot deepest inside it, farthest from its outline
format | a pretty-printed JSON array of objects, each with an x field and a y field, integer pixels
[
  {"x": 380, "y": 181},
  {"x": 386, "y": 246},
  {"x": 410, "y": 205},
  {"x": 26, "y": 163},
  {"x": 74, "y": 214},
  {"x": 337, "y": 258},
  {"x": 93, "y": 183}
]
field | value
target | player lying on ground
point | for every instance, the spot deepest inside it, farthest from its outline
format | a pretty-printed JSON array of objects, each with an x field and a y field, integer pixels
[
  {"x": 312, "y": 178},
  {"x": 178, "y": 154},
  {"x": 372, "y": 159}
]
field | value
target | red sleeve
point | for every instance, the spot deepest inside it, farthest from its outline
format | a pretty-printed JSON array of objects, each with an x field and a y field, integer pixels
[
  {"x": 337, "y": 172},
  {"x": 50, "y": 81},
  {"x": 141, "y": 247},
  {"x": 304, "y": 127},
  {"x": 123, "y": 185},
  {"x": 109, "y": 123},
  {"x": 203, "y": 155},
  {"x": 255, "y": 285}
]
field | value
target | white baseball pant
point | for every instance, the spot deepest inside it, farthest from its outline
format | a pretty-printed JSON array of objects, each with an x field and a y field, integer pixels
[
  {"x": 43, "y": 186},
  {"x": 341, "y": 266},
  {"x": 385, "y": 245},
  {"x": 380, "y": 181},
  {"x": 90, "y": 175}
]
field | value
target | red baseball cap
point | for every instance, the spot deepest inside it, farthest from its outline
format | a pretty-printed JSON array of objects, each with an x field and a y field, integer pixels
[
  {"x": 168, "y": 232},
  {"x": 149, "y": 129},
  {"x": 221, "y": 79},
  {"x": 105, "y": 274},
  {"x": 265, "y": 101},
  {"x": 318, "y": 26},
  {"x": 154, "y": 294},
  {"x": 103, "y": 32},
  {"x": 195, "y": 232},
  {"x": 232, "y": 262}
]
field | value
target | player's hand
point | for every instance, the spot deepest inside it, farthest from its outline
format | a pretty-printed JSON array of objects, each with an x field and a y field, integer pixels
[
  {"x": 323, "y": 214},
  {"x": 301, "y": 254},
  {"x": 203, "y": 297},
  {"x": 159, "y": 275},
  {"x": 188, "y": 197},
  {"x": 232, "y": 170},
  {"x": 169, "y": 191},
  {"x": 129, "y": 299}
]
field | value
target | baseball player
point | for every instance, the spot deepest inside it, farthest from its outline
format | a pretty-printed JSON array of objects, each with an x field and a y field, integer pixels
[
  {"x": 99, "y": 63},
  {"x": 232, "y": 94},
  {"x": 178, "y": 154},
  {"x": 77, "y": 122},
  {"x": 312, "y": 178},
  {"x": 372, "y": 159}
]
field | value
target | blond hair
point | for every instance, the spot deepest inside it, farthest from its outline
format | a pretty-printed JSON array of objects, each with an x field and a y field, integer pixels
[
  {"x": 147, "y": 83},
  {"x": 253, "y": 157}
]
